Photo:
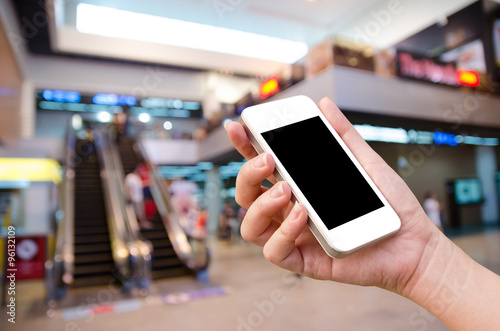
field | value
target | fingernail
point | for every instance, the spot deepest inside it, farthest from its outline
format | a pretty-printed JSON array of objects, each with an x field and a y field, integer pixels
[
  {"x": 226, "y": 123},
  {"x": 296, "y": 211},
  {"x": 261, "y": 161},
  {"x": 277, "y": 191}
]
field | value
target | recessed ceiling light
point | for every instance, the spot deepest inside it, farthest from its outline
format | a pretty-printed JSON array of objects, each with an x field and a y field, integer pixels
[
  {"x": 104, "y": 117},
  {"x": 115, "y": 23},
  {"x": 167, "y": 125},
  {"x": 144, "y": 117}
]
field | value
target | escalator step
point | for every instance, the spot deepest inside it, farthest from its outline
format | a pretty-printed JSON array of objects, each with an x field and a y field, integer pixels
[
  {"x": 164, "y": 252},
  {"x": 99, "y": 229},
  {"x": 98, "y": 280},
  {"x": 85, "y": 223},
  {"x": 91, "y": 239},
  {"x": 154, "y": 234},
  {"x": 86, "y": 249},
  {"x": 160, "y": 243},
  {"x": 83, "y": 259},
  {"x": 103, "y": 268},
  {"x": 166, "y": 263},
  {"x": 169, "y": 273}
]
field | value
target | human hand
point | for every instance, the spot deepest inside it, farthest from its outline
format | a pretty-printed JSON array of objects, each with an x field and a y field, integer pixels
[{"x": 272, "y": 221}]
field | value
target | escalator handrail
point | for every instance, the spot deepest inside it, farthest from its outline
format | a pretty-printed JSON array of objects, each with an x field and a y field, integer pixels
[
  {"x": 140, "y": 249},
  {"x": 60, "y": 269},
  {"x": 132, "y": 254},
  {"x": 117, "y": 230},
  {"x": 192, "y": 252}
]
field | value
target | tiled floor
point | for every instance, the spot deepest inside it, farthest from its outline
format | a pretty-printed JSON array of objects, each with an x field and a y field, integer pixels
[{"x": 251, "y": 284}]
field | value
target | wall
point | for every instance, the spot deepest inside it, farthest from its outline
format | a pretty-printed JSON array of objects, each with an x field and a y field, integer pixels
[
  {"x": 431, "y": 172},
  {"x": 10, "y": 89},
  {"x": 358, "y": 90},
  {"x": 38, "y": 208}
]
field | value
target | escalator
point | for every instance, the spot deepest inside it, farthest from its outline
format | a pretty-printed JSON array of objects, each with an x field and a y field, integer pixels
[
  {"x": 165, "y": 263},
  {"x": 93, "y": 259}
]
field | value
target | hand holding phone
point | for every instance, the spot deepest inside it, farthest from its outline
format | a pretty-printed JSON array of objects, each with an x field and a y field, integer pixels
[{"x": 272, "y": 221}]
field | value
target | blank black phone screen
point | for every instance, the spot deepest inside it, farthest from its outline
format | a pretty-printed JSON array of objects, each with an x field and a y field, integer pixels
[{"x": 325, "y": 174}]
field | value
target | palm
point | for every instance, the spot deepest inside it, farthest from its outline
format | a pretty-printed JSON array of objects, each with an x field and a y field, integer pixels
[{"x": 380, "y": 265}]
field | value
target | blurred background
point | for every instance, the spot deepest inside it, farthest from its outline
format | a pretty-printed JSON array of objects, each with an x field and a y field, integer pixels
[{"x": 117, "y": 178}]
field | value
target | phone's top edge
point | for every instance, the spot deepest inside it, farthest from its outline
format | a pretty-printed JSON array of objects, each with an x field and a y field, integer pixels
[{"x": 300, "y": 96}]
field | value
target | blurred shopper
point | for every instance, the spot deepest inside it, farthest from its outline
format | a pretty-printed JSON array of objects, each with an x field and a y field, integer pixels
[
  {"x": 149, "y": 204},
  {"x": 133, "y": 185},
  {"x": 183, "y": 201},
  {"x": 418, "y": 262},
  {"x": 226, "y": 218},
  {"x": 433, "y": 209},
  {"x": 236, "y": 226},
  {"x": 143, "y": 171},
  {"x": 119, "y": 121},
  {"x": 200, "y": 227}
]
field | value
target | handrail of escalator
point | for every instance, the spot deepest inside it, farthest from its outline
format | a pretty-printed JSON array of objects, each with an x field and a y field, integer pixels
[
  {"x": 59, "y": 267},
  {"x": 140, "y": 248},
  {"x": 191, "y": 251},
  {"x": 131, "y": 254}
]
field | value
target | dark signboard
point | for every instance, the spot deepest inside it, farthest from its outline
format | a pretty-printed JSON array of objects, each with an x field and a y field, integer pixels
[
  {"x": 115, "y": 103},
  {"x": 421, "y": 68}
]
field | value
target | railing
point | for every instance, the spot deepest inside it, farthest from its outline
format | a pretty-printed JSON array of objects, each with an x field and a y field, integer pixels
[
  {"x": 59, "y": 268},
  {"x": 191, "y": 251},
  {"x": 131, "y": 253}
]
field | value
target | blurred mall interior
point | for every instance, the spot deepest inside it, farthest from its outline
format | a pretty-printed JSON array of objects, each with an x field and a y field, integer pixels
[{"x": 94, "y": 90}]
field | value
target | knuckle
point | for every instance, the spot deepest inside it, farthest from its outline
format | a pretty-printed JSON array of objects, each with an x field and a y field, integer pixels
[
  {"x": 285, "y": 231},
  {"x": 268, "y": 254},
  {"x": 238, "y": 199}
]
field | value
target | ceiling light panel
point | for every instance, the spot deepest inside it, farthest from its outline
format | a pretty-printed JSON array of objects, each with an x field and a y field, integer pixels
[{"x": 115, "y": 23}]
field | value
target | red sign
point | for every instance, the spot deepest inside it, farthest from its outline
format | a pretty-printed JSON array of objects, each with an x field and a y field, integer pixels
[
  {"x": 269, "y": 87},
  {"x": 30, "y": 257},
  {"x": 468, "y": 77}
]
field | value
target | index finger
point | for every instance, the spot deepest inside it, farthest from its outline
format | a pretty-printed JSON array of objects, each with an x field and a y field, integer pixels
[{"x": 240, "y": 140}]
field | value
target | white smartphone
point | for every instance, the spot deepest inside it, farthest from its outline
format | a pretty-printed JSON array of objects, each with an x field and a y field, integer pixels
[{"x": 346, "y": 211}]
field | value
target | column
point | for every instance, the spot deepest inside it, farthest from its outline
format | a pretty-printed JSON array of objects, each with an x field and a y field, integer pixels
[{"x": 486, "y": 165}]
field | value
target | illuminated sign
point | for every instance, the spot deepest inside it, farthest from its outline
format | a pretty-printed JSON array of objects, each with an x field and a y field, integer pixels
[
  {"x": 468, "y": 77},
  {"x": 269, "y": 87},
  {"x": 28, "y": 169},
  {"x": 114, "y": 103},
  {"x": 421, "y": 68},
  {"x": 402, "y": 136},
  {"x": 61, "y": 96},
  {"x": 445, "y": 138},
  {"x": 114, "y": 100}
]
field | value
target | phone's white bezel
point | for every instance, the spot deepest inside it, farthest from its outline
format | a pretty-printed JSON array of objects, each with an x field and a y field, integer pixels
[{"x": 344, "y": 239}]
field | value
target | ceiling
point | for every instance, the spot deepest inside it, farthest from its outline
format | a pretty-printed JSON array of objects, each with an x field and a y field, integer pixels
[{"x": 378, "y": 22}]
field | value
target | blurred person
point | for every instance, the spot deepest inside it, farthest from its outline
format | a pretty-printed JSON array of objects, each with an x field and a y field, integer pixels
[
  {"x": 418, "y": 262},
  {"x": 200, "y": 133},
  {"x": 200, "y": 227},
  {"x": 119, "y": 123},
  {"x": 226, "y": 218},
  {"x": 433, "y": 209},
  {"x": 183, "y": 201},
  {"x": 149, "y": 204},
  {"x": 143, "y": 171},
  {"x": 133, "y": 185},
  {"x": 236, "y": 225}
]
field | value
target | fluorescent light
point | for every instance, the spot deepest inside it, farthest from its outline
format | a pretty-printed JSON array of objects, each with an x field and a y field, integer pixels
[
  {"x": 104, "y": 117},
  {"x": 168, "y": 125},
  {"x": 115, "y": 23},
  {"x": 144, "y": 117},
  {"x": 76, "y": 122}
]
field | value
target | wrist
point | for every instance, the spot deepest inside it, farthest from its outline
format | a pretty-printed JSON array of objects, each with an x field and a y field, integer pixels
[{"x": 441, "y": 277}]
